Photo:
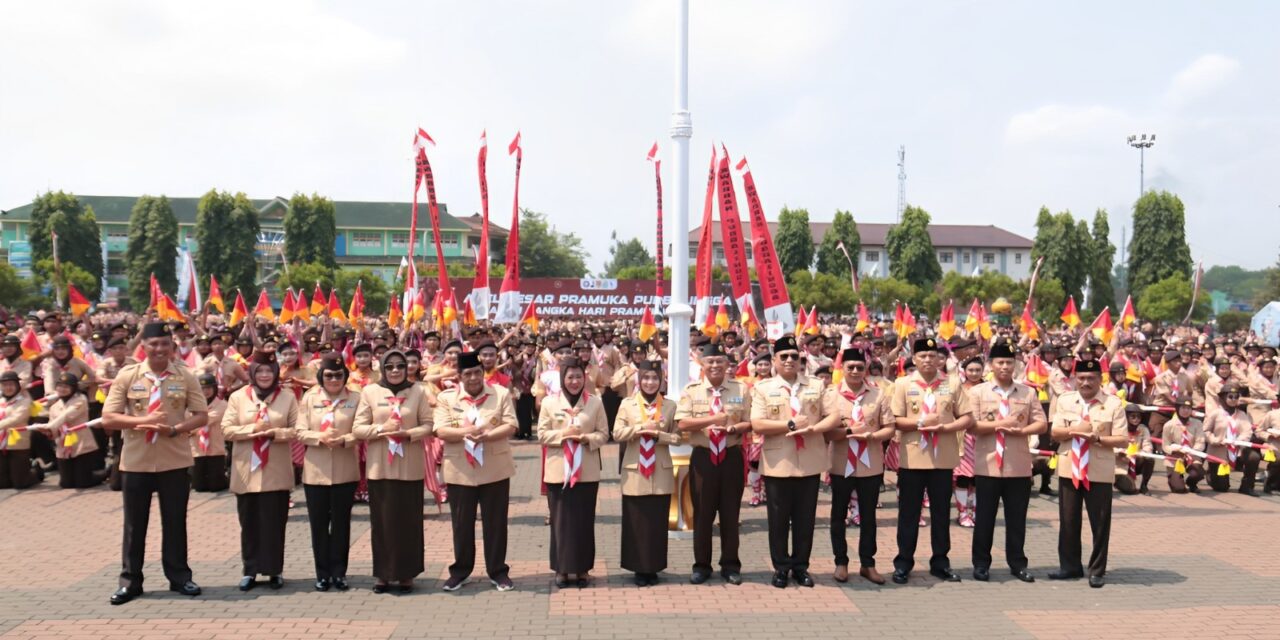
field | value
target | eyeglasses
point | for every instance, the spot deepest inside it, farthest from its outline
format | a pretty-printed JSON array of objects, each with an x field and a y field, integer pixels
[
  {"x": 332, "y": 375},
  {"x": 1232, "y": 395},
  {"x": 856, "y": 367},
  {"x": 788, "y": 356},
  {"x": 394, "y": 367}
]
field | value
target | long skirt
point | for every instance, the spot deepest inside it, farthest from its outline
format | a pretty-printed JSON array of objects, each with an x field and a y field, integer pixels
[
  {"x": 573, "y": 519},
  {"x": 395, "y": 519},
  {"x": 262, "y": 522},
  {"x": 644, "y": 533}
]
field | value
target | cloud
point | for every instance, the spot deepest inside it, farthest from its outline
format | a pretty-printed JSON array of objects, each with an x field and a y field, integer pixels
[
  {"x": 1064, "y": 124},
  {"x": 1202, "y": 77}
]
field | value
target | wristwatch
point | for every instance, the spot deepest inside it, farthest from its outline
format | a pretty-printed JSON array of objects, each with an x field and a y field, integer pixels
[
  {"x": 791, "y": 425},
  {"x": 173, "y": 431},
  {"x": 848, "y": 431}
]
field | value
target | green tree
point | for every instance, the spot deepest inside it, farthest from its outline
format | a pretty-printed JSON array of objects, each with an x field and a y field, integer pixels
[
  {"x": 304, "y": 276},
  {"x": 546, "y": 252},
  {"x": 227, "y": 232},
  {"x": 911, "y": 254},
  {"x": 881, "y": 294},
  {"x": 241, "y": 250},
  {"x": 986, "y": 287},
  {"x": 627, "y": 254},
  {"x": 79, "y": 239},
  {"x": 57, "y": 283},
  {"x": 310, "y": 230},
  {"x": 1066, "y": 248},
  {"x": 1158, "y": 248},
  {"x": 153, "y": 249},
  {"x": 377, "y": 295},
  {"x": 830, "y": 258},
  {"x": 1101, "y": 293},
  {"x": 794, "y": 241},
  {"x": 1050, "y": 297},
  {"x": 831, "y": 294},
  {"x": 1233, "y": 321},
  {"x": 1270, "y": 290},
  {"x": 18, "y": 293},
  {"x": 1167, "y": 300}
]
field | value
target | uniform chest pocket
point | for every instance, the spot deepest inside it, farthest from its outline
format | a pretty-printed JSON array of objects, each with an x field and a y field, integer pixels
[{"x": 137, "y": 401}]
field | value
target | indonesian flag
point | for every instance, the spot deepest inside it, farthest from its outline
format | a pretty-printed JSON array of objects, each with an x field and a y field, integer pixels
[
  {"x": 30, "y": 346},
  {"x": 947, "y": 321},
  {"x": 215, "y": 295},
  {"x": 802, "y": 319},
  {"x": 530, "y": 317},
  {"x": 317, "y": 301},
  {"x": 1070, "y": 316},
  {"x": 773, "y": 287},
  {"x": 750, "y": 324},
  {"x": 76, "y": 300},
  {"x": 509, "y": 294},
  {"x": 479, "y": 297},
  {"x": 356, "y": 311},
  {"x": 1101, "y": 327},
  {"x": 263, "y": 308},
  {"x": 300, "y": 308},
  {"x": 286, "y": 307},
  {"x": 238, "y": 311},
  {"x": 1127, "y": 316},
  {"x": 335, "y": 307},
  {"x": 393, "y": 315},
  {"x": 702, "y": 271},
  {"x": 811, "y": 323},
  {"x": 647, "y": 325},
  {"x": 864, "y": 318}
]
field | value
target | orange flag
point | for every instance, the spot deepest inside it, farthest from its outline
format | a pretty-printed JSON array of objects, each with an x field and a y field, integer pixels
[
  {"x": 317, "y": 301},
  {"x": 1101, "y": 327},
  {"x": 335, "y": 307},
  {"x": 802, "y": 319},
  {"x": 1127, "y": 316},
  {"x": 215, "y": 295},
  {"x": 647, "y": 325},
  {"x": 864, "y": 318},
  {"x": 811, "y": 322},
  {"x": 749, "y": 322},
  {"x": 971, "y": 320},
  {"x": 30, "y": 346},
  {"x": 468, "y": 313},
  {"x": 1027, "y": 324},
  {"x": 238, "y": 311},
  {"x": 947, "y": 321},
  {"x": 419, "y": 308},
  {"x": 356, "y": 311},
  {"x": 300, "y": 309},
  {"x": 722, "y": 316},
  {"x": 1037, "y": 371},
  {"x": 263, "y": 308},
  {"x": 1070, "y": 316},
  {"x": 79, "y": 304},
  {"x": 286, "y": 308},
  {"x": 908, "y": 321},
  {"x": 530, "y": 317},
  {"x": 393, "y": 315}
]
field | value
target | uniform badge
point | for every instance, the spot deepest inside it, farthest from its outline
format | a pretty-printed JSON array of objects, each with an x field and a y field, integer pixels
[
  {"x": 991, "y": 416},
  {"x": 774, "y": 411},
  {"x": 915, "y": 406}
]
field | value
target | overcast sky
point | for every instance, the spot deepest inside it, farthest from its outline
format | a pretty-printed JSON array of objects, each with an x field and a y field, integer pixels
[{"x": 1003, "y": 106}]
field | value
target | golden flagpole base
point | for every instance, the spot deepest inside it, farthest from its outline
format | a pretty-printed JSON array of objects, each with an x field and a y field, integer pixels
[{"x": 680, "y": 514}]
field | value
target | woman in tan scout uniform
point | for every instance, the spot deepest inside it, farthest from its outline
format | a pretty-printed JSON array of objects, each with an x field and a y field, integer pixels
[
  {"x": 572, "y": 426},
  {"x": 646, "y": 422},
  {"x": 330, "y": 470},
  {"x": 261, "y": 419},
  {"x": 474, "y": 423},
  {"x": 15, "y": 442},
  {"x": 1225, "y": 426},
  {"x": 68, "y": 412},
  {"x": 208, "y": 445},
  {"x": 1181, "y": 433},
  {"x": 393, "y": 417}
]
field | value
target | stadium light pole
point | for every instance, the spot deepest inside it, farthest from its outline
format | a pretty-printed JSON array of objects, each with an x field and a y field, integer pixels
[
  {"x": 679, "y": 313},
  {"x": 1142, "y": 143}
]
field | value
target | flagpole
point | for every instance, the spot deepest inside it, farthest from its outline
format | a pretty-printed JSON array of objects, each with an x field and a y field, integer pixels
[{"x": 679, "y": 312}]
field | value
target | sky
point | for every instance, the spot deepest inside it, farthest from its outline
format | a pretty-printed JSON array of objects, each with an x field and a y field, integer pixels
[{"x": 1003, "y": 107}]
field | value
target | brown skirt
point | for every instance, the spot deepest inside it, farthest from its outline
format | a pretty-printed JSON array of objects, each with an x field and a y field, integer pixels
[
  {"x": 573, "y": 519},
  {"x": 644, "y": 533},
  {"x": 395, "y": 518},
  {"x": 262, "y": 523}
]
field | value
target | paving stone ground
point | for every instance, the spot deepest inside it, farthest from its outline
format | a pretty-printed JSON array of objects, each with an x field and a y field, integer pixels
[{"x": 1194, "y": 565}]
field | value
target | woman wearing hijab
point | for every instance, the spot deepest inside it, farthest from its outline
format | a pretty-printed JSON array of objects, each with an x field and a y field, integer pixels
[
  {"x": 74, "y": 442},
  {"x": 15, "y": 455},
  {"x": 572, "y": 426},
  {"x": 393, "y": 416},
  {"x": 330, "y": 470},
  {"x": 208, "y": 446},
  {"x": 261, "y": 420},
  {"x": 646, "y": 423}
]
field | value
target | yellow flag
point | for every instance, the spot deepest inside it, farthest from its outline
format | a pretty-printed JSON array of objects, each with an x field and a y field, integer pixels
[
  {"x": 70, "y": 440},
  {"x": 1269, "y": 455},
  {"x": 100, "y": 396},
  {"x": 14, "y": 437},
  {"x": 1132, "y": 450},
  {"x": 1179, "y": 467},
  {"x": 37, "y": 408},
  {"x": 1224, "y": 470},
  {"x": 1053, "y": 462}
]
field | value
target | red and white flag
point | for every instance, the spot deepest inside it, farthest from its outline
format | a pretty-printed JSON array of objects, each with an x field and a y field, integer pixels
[
  {"x": 509, "y": 307},
  {"x": 479, "y": 295},
  {"x": 702, "y": 272},
  {"x": 773, "y": 287},
  {"x": 659, "y": 275},
  {"x": 735, "y": 254}
]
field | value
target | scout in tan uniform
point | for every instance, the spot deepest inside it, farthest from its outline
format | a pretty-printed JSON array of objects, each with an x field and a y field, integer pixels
[
  {"x": 330, "y": 470},
  {"x": 15, "y": 440},
  {"x": 1006, "y": 415},
  {"x": 393, "y": 417},
  {"x": 1263, "y": 385},
  {"x": 261, "y": 418},
  {"x": 1167, "y": 390},
  {"x": 1268, "y": 431},
  {"x": 1130, "y": 467},
  {"x": 68, "y": 413},
  {"x": 153, "y": 403},
  {"x": 572, "y": 426},
  {"x": 715, "y": 412},
  {"x": 1224, "y": 427},
  {"x": 475, "y": 422},
  {"x": 858, "y": 423},
  {"x": 1183, "y": 432},
  {"x": 787, "y": 410},
  {"x": 208, "y": 445},
  {"x": 1089, "y": 424},
  {"x": 11, "y": 360},
  {"x": 646, "y": 421},
  {"x": 928, "y": 413}
]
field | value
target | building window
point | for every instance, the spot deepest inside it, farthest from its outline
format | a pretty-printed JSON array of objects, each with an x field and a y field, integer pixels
[
  {"x": 873, "y": 256},
  {"x": 965, "y": 257},
  {"x": 988, "y": 258},
  {"x": 400, "y": 239},
  {"x": 449, "y": 242},
  {"x": 945, "y": 257},
  {"x": 367, "y": 239},
  {"x": 1017, "y": 258},
  {"x": 118, "y": 235}
]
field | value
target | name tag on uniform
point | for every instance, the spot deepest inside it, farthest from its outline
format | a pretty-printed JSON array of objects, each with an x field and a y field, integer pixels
[
  {"x": 138, "y": 387},
  {"x": 175, "y": 387}
]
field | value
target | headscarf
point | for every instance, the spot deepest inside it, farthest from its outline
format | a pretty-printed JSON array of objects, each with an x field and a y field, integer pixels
[
  {"x": 403, "y": 384},
  {"x": 265, "y": 359},
  {"x": 568, "y": 363}
]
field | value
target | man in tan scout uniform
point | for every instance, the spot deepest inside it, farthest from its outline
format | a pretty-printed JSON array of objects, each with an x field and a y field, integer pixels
[
  {"x": 1089, "y": 424},
  {"x": 787, "y": 410},
  {"x": 715, "y": 412},
  {"x": 1006, "y": 414},
  {"x": 153, "y": 403},
  {"x": 1168, "y": 389},
  {"x": 475, "y": 423}
]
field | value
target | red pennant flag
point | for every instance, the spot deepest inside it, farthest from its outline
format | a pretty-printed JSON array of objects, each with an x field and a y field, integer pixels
[
  {"x": 802, "y": 319},
  {"x": 731, "y": 233},
  {"x": 393, "y": 315},
  {"x": 30, "y": 345},
  {"x": 1127, "y": 316},
  {"x": 908, "y": 320},
  {"x": 947, "y": 321},
  {"x": 238, "y": 311},
  {"x": 317, "y": 301},
  {"x": 1027, "y": 324},
  {"x": 1070, "y": 316},
  {"x": 215, "y": 295},
  {"x": 356, "y": 312},
  {"x": 647, "y": 325},
  {"x": 703, "y": 264},
  {"x": 263, "y": 308},
  {"x": 155, "y": 292},
  {"x": 773, "y": 287},
  {"x": 468, "y": 313},
  {"x": 811, "y": 322},
  {"x": 287, "y": 307},
  {"x": 530, "y": 318},
  {"x": 750, "y": 324},
  {"x": 76, "y": 300},
  {"x": 1101, "y": 327},
  {"x": 480, "y": 285},
  {"x": 509, "y": 292},
  {"x": 335, "y": 307},
  {"x": 864, "y": 318},
  {"x": 300, "y": 308}
]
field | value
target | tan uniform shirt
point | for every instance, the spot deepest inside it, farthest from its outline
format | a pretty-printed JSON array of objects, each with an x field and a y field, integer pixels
[
  {"x": 20, "y": 367},
  {"x": 633, "y": 414},
  {"x": 74, "y": 366},
  {"x": 15, "y": 412},
  {"x": 240, "y": 424},
  {"x": 555, "y": 417},
  {"x": 1172, "y": 434},
  {"x": 780, "y": 456},
  {"x": 130, "y": 395},
  {"x": 321, "y": 464},
  {"x": 1106, "y": 417},
  {"x": 1261, "y": 388},
  {"x": 67, "y": 414},
  {"x": 695, "y": 402},
  {"x": 908, "y": 400},
  {"x": 1170, "y": 388},
  {"x": 985, "y": 400},
  {"x": 624, "y": 380},
  {"x": 215, "y": 444},
  {"x": 1218, "y": 427},
  {"x": 382, "y": 462},
  {"x": 875, "y": 415},
  {"x": 492, "y": 410}
]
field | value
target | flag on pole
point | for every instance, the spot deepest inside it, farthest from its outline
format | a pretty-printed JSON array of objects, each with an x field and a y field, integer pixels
[
  {"x": 1101, "y": 327},
  {"x": 971, "y": 320},
  {"x": 702, "y": 269},
  {"x": 802, "y": 319},
  {"x": 647, "y": 325},
  {"x": 853, "y": 269},
  {"x": 659, "y": 272},
  {"x": 287, "y": 312},
  {"x": 263, "y": 308},
  {"x": 418, "y": 308},
  {"x": 394, "y": 316},
  {"x": 530, "y": 318},
  {"x": 908, "y": 320},
  {"x": 898, "y": 319},
  {"x": 1027, "y": 324},
  {"x": 30, "y": 346},
  {"x": 735, "y": 253},
  {"x": 509, "y": 293},
  {"x": 1195, "y": 291},
  {"x": 1070, "y": 316},
  {"x": 356, "y": 310},
  {"x": 864, "y": 318},
  {"x": 193, "y": 283},
  {"x": 300, "y": 308},
  {"x": 468, "y": 314},
  {"x": 479, "y": 296},
  {"x": 238, "y": 311},
  {"x": 335, "y": 307},
  {"x": 154, "y": 289},
  {"x": 76, "y": 300},
  {"x": 166, "y": 308},
  {"x": 984, "y": 323},
  {"x": 1037, "y": 371},
  {"x": 318, "y": 306},
  {"x": 215, "y": 295},
  {"x": 750, "y": 324},
  {"x": 947, "y": 321},
  {"x": 811, "y": 323},
  {"x": 773, "y": 287},
  {"x": 722, "y": 316},
  {"x": 1127, "y": 316}
]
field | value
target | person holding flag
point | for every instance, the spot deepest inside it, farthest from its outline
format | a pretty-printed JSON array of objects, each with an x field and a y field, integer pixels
[
  {"x": 68, "y": 415},
  {"x": 208, "y": 445},
  {"x": 11, "y": 359},
  {"x": 15, "y": 440},
  {"x": 1228, "y": 432},
  {"x": 646, "y": 422},
  {"x": 1184, "y": 433}
]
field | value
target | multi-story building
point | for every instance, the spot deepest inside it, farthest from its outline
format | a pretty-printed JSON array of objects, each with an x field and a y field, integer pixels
[
  {"x": 966, "y": 248},
  {"x": 372, "y": 235}
]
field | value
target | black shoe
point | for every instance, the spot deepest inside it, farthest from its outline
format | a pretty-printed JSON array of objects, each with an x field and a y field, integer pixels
[
  {"x": 1065, "y": 575},
  {"x": 981, "y": 574},
  {"x": 900, "y": 576},
  {"x": 946, "y": 575},
  {"x": 653, "y": 579},
  {"x": 275, "y": 582},
  {"x": 780, "y": 579},
  {"x": 187, "y": 588},
  {"x": 380, "y": 588},
  {"x": 1144, "y": 491},
  {"x": 562, "y": 582},
  {"x": 1024, "y": 575},
  {"x": 732, "y": 577},
  {"x": 322, "y": 584},
  {"x": 339, "y": 583},
  {"x": 1096, "y": 582},
  {"x": 1249, "y": 492},
  {"x": 404, "y": 589},
  {"x": 699, "y": 576},
  {"x": 124, "y": 594},
  {"x": 455, "y": 582},
  {"x": 642, "y": 580},
  {"x": 1046, "y": 491},
  {"x": 247, "y": 583},
  {"x": 802, "y": 578}
]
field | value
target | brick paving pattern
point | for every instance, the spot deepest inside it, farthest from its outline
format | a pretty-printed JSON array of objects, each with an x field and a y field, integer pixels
[{"x": 1186, "y": 562}]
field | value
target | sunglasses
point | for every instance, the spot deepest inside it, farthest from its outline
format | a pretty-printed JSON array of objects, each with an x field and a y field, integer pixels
[
  {"x": 394, "y": 367},
  {"x": 1232, "y": 395},
  {"x": 855, "y": 367},
  {"x": 332, "y": 375},
  {"x": 788, "y": 356}
]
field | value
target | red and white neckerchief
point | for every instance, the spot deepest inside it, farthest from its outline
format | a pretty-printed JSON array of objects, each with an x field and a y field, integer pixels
[
  {"x": 261, "y": 450},
  {"x": 1174, "y": 389},
  {"x": 203, "y": 439},
  {"x": 155, "y": 400},
  {"x": 928, "y": 407},
  {"x": 395, "y": 444},
  {"x": 473, "y": 450},
  {"x": 573, "y": 448},
  {"x": 1232, "y": 435},
  {"x": 859, "y": 452},
  {"x": 719, "y": 439},
  {"x": 598, "y": 355},
  {"x": 1080, "y": 451},
  {"x": 793, "y": 390},
  {"x": 330, "y": 414},
  {"x": 1005, "y": 410},
  {"x": 1186, "y": 436},
  {"x": 649, "y": 444}
]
